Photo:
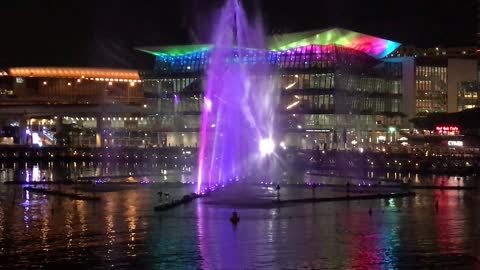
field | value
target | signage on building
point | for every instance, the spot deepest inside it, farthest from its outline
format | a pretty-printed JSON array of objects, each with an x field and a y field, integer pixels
[
  {"x": 455, "y": 143},
  {"x": 447, "y": 129}
]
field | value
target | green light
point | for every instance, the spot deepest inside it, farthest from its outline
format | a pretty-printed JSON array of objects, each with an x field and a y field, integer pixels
[
  {"x": 373, "y": 46},
  {"x": 176, "y": 50},
  {"x": 392, "y": 129}
]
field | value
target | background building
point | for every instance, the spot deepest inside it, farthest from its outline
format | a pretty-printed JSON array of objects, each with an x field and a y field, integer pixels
[
  {"x": 70, "y": 106},
  {"x": 469, "y": 95},
  {"x": 439, "y": 74}
]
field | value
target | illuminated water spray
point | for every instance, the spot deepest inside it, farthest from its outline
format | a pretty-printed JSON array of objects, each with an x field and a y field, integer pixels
[{"x": 239, "y": 103}]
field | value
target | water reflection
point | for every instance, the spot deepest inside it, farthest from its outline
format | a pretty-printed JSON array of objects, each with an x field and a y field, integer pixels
[
  {"x": 68, "y": 226},
  {"x": 44, "y": 230},
  {"x": 449, "y": 220},
  {"x": 402, "y": 233},
  {"x": 61, "y": 171},
  {"x": 122, "y": 230},
  {"x": 110, "y": 226},
  {"x": 131, "y": 218}
]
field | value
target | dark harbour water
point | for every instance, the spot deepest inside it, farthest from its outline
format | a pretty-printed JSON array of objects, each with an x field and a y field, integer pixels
[{"x": 123, "y": 232}]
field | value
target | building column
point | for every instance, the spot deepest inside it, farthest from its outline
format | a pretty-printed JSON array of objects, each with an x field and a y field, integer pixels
[
  {"x": 99, "y": 134},
  {"x": 58, "y": 128},
  {"x": 22, "y": 136}
]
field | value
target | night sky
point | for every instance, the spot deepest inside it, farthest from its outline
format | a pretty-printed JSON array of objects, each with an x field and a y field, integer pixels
[{"x": 103, "y": 33}]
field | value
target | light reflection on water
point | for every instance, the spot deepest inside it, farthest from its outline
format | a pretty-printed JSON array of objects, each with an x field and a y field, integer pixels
[
  {"x": 399, "y": 234},
  {"x": 123, "y": 231},
  {"x": 60, "y": 171}
]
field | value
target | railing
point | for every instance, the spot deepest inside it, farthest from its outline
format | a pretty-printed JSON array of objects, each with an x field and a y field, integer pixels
[{"x": 15, "y": 100}]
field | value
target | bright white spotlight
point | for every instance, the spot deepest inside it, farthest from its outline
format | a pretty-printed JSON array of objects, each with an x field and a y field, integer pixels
[{"x": 266, "y": 146}]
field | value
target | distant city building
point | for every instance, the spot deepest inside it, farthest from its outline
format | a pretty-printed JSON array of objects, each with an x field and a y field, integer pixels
[
  {"x": 69, "y": 86},
  {"x": 450, "y": 52},
  {"x": 72, "y": 106},
  {"x": 438, "y": 74}
]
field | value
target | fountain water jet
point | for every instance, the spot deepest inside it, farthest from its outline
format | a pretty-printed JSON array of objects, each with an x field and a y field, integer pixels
[{"x": 240, "y": 99}]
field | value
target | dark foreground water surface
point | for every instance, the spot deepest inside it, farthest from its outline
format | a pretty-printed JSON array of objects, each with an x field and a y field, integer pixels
[{"x": 122, "y": 230}]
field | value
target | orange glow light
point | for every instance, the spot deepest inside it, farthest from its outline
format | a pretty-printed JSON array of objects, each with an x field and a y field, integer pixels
[{"x": 74, "y": 73}]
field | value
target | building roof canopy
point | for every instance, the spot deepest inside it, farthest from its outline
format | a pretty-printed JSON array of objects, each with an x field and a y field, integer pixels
[
  {"x": 373, "y": 46},
  {"x": 73, "y": 72}
]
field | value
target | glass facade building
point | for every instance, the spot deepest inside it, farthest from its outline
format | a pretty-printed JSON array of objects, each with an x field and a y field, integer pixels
[
  {"x": 437, "y": 74},
  {"x": 431, "y": 89},
  {"x": 335, "y": 87}
]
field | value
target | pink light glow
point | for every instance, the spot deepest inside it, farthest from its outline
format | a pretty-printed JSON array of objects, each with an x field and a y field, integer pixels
[{"x": 208, "y": 104}]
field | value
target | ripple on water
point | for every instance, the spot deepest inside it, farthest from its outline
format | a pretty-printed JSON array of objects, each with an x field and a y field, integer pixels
[{"x": 123, "y": 231}]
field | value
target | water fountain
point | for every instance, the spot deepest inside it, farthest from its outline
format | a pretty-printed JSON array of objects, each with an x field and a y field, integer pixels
[
  {"x": 238, "y": 116},
  {"x": 237, "y": 123}
]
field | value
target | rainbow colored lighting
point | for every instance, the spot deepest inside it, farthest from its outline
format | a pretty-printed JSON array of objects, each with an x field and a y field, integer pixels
[
  {"x": 180, "y": 50},
  {"x": 373, "y": 46}
]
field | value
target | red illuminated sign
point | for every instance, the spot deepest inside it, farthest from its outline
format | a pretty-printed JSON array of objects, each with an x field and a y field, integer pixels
[{"x": 447, "y": 129}]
